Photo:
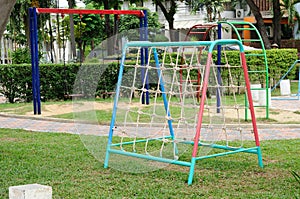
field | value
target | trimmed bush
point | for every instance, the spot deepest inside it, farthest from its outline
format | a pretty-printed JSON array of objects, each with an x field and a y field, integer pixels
[{"x": 58, "y": 80}]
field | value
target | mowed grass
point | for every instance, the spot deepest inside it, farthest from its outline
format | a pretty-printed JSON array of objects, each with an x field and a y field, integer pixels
[{"x": 62, "y": 162}]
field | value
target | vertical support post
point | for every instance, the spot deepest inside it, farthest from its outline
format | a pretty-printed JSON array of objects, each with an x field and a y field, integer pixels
[
  {"x": 219, "y": 69},
  {"x": 145, "y": 18},
  {"x": 298, "y": 93},
  {"x": 251, "y": 106},
  {"x": 163, "y": 91},
  {"x": 35, "y": 61},
  {"x": 144, "y": 56},
  {"x": 267, "y": 85},
  {"x": 200, "y": 117},
  {"x": 114, "y": 112}
]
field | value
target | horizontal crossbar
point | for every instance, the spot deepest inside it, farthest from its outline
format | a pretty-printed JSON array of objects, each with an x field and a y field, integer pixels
[
  {"x": 138, "y": 141},
  {"x": 247, "y": 150},
  {"x": 138, "y": 13},
  {"x": 149, "y": 157},
  {"x": 253, "y": 150},
  {"x": 210, "y": 44}
]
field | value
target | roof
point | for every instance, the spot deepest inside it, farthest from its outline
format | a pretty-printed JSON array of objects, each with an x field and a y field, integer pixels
[{"x": 187, "y": 24}]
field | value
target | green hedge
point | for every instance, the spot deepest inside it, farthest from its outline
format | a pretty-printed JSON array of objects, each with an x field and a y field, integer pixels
[
  {"x": 279, "y": 61},
  {"x": 58, "y": 80}
]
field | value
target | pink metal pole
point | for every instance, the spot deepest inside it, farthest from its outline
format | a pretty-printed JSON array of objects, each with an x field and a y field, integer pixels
[
  {"x": 201, "y": 108},
  {"x": 249, "y": 95}
]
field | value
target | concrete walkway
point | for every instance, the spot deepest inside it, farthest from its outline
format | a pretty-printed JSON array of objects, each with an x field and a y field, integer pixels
[{"x": 40, "y": 124}]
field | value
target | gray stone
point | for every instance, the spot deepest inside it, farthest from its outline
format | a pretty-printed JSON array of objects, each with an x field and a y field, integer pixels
[{"x": 30, "y": 191}]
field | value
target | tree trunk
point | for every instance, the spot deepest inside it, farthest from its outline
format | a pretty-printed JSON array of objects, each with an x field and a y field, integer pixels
[
  {"x": 116, "y": 20},
  {"x": 26, "y": 21},
  {"x": 72, "y": 35},
  {"x": 82, "y": 51},
  {"x": 5, "y": 10},
  {"x": 107, "y": 20},
  {"x": 276, "y": 22},
  {"x": 259, "y": 23},
  {"x": 169, "y": 15},
  {"x": 108, "y": 28},
  {"x": 58, "y": 38},
  {"x": 51, "y": 42},
  {"x": 116, "y": 28}
]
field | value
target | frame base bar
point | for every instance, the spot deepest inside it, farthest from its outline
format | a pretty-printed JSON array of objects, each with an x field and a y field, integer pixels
[
  {"x": 149, "y": 157},
  {"x": 247, "y": 150},
  {"x": 139, "y": 141}
]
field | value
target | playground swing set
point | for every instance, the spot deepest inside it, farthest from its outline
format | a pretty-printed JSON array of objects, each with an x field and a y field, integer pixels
[
  {"x": 33, "y": 13},
  {"x": 176, "y": 120}
]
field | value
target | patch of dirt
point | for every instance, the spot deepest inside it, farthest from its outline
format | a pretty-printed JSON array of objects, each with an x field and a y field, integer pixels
[
  {"x": 281, "y": 111},
  {"x": 58, "y": 109}
]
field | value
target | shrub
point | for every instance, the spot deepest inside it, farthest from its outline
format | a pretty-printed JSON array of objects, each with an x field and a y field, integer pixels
[
  {"x": 21, "y": 56},
  {"x": 57, "y": 80}
]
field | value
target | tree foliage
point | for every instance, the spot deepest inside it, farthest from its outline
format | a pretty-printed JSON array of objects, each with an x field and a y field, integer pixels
[
  {"x": 129, "y": 24},
  {"x": 213, "y": 8},
  {"x": 288, "y": 7}
]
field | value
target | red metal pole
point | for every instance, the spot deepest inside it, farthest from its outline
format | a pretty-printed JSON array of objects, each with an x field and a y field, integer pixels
[
  {"x": 138, "y": 13},
  {"x": 249, "y": 95},
  {"x": 201, "y": 108}
]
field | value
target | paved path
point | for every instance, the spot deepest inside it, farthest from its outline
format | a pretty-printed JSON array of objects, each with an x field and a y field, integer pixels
[
  {"x": 266, "y": 132},
  {"x": 284, "y": 104}
]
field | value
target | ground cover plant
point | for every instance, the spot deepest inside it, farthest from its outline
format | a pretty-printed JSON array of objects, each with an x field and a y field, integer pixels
[{"x": 61, "y": 161}]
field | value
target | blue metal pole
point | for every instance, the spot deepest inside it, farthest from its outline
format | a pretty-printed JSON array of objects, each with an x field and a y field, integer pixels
[
  {"x": 37, "y": 70},
  {"x": 163, "y": 93},
  {"x": 218, "y": 94},
  {"x": 287, "y": 72},
  {"x": 142, "y": 56},
  {"x": 35, "y": 61},
  {"x": 145, "y": 18},
  {"x": 114, "y": 112},
  {"x": 31, "y": 18}
]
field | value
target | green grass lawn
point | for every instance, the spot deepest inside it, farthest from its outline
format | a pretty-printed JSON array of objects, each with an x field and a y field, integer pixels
[{"x": 61, "y": 161}]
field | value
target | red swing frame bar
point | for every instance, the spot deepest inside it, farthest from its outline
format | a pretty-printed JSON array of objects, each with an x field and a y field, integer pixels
[{"x": 138, "y": 13}]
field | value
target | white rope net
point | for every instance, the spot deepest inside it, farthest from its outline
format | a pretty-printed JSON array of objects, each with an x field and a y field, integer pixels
[{"x": 174, "y": 91}]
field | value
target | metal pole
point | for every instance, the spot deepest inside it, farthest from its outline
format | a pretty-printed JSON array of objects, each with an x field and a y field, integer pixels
[
  {"x": 142, "y": 57},
  {"x": 146, "y": 53},
  {"x": 35, "y": 61},
  {"x": 218, "y": 94}
]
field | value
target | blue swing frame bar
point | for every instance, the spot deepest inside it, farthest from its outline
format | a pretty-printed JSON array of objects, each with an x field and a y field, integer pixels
[
  {"x": 294, "y": 96},
  {"x": 33, "y": 17},
  {"x": 196, "y": 143}
]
